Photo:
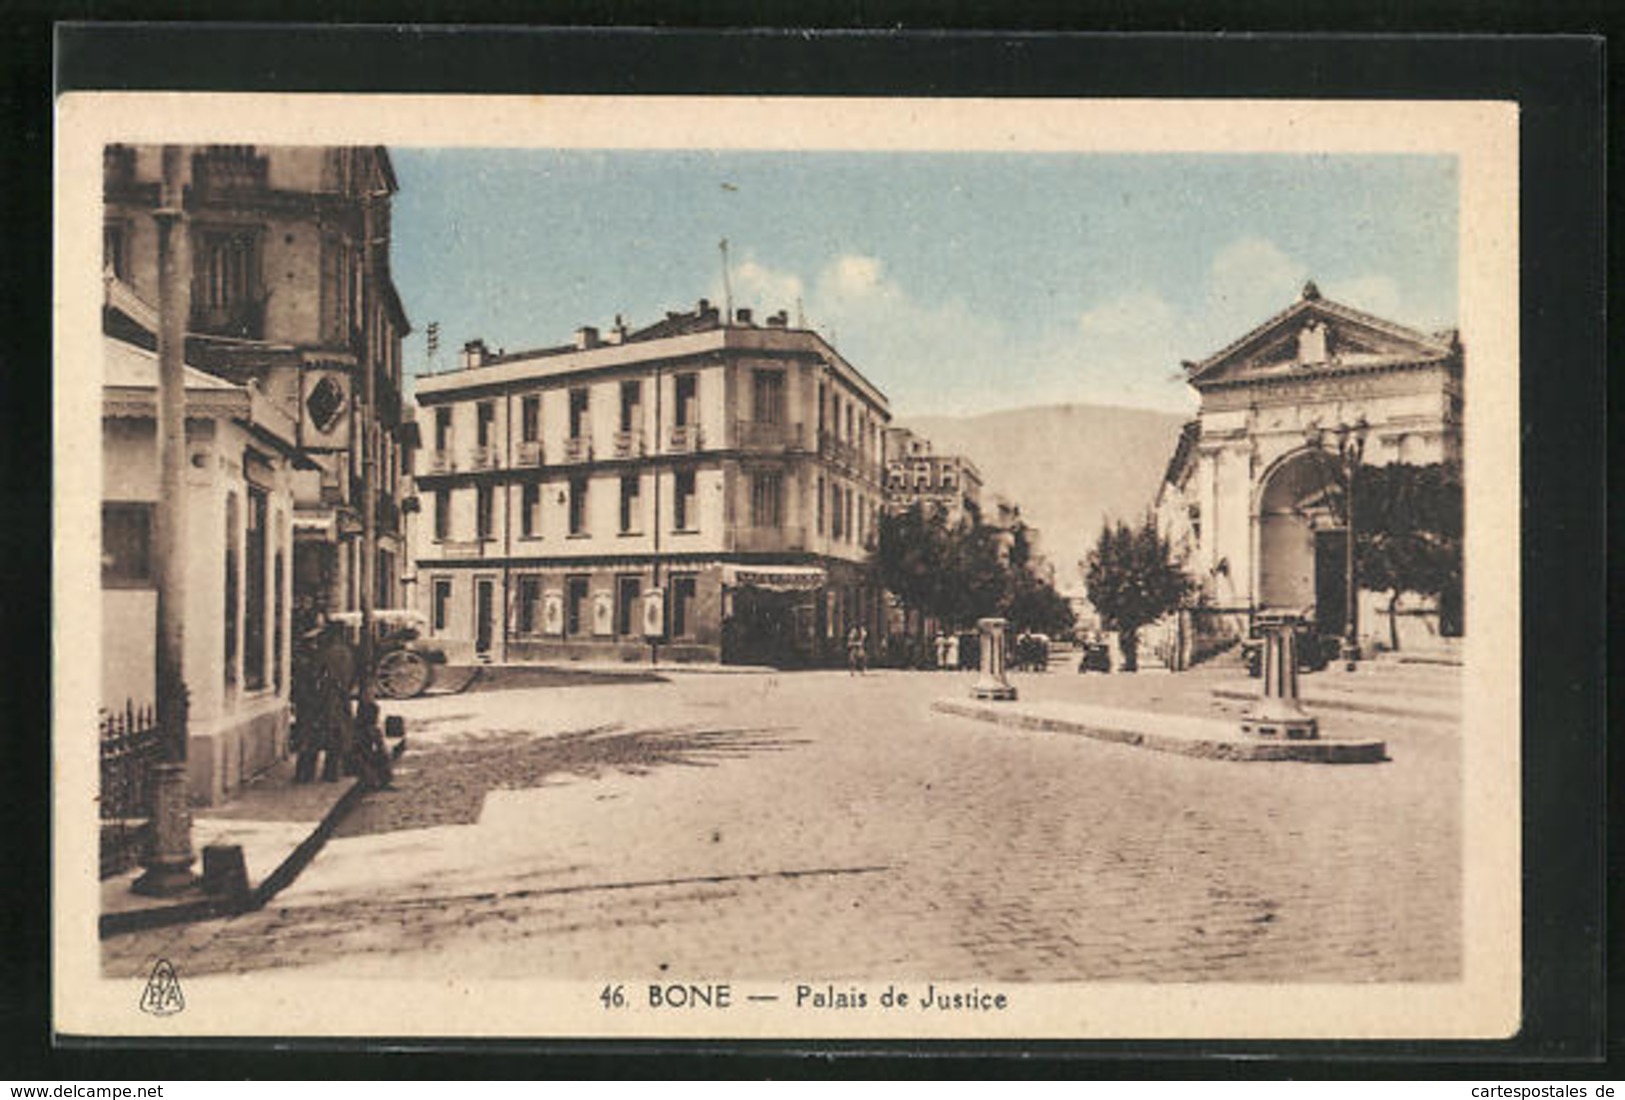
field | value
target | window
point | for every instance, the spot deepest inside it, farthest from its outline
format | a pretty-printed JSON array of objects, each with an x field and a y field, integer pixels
[
  {"x": 442, "y": 515},
  {"x": 530, "y": 600},
  {"x": 254, "y": 591},
  {"x": 530, "y": 510},
  {"x": 687, "y": 399},
  {"x": 835, "y": 511},
  {"x": 846, "y": 521},
  {"x": 279, "y": 609},
  {"x": 233, "y": 556},
  {"x": 578, "y": 413},
  {"x": 682, "y": 607},
  {"x": 578, "y": 506},
  {"x": 820, "y": 407},
  {"x": 486, "y": 412},
  {"x": 226, "y": 296},
  {"x": 440, "y": 612},
  {"x": 442, "y": 428},
  {"x": 629, "y": 504},
  {"x": 683, "y": 511},
  {"x": 127, "y": 545},
  {"x": 631, "y": 404},
  {"x": 483, "y": 518},
  {"x": 820, "y": 495},
  {"x": 575, "y": 605},
  {"x": 530, "y": 419},
  {"x": 768, "y": 393},
  {"x": 628, "y": 590},
  {"x": 766, "y": 498}
]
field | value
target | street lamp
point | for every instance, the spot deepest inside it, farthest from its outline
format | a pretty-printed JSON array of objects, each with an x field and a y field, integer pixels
[{"x": 1347, "y": 446}]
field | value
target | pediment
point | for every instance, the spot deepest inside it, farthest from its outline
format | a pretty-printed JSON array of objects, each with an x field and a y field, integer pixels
[{"x": 1313, "y": 335}]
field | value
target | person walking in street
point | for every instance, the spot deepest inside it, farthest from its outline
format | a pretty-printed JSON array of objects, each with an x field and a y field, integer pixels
[
  {"x": 857, "y": 642},
  {"x": 332, "y": 669}
]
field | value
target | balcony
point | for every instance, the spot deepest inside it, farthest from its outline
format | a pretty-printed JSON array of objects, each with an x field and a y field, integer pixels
[
  {"x": 439, "y": 462},
  {"x": 243, "y": 319},
  {"x": 768, "y": 540},
  {"x": 229, "y": 169},
  {"x": 755, "y": 435},
  {"x": 685, "y": 439},
  {"x": 529, "y": 453},
  {"x": 578, "y": 449},
  {"x": 629, "y": 444},
  {"x": 837, "y": 450},
  {"x": 486, "y": 458}
]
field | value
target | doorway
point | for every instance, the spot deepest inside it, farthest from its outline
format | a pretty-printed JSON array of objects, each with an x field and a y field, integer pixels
[{"x": 483, "y": 603}]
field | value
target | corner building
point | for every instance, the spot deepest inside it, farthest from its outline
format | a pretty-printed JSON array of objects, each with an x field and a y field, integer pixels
[{"x": 701, "y": 489}]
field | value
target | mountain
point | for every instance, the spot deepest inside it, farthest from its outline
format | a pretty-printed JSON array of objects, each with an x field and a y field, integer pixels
[{"x": 1067, "y": 467}]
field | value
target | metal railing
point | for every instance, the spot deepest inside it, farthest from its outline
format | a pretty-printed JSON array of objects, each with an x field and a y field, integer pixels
[
  {"x": 487, "y": 458},
  {"x": 529, "y": 453},
  {"x": 130, "y": 745},
  {"x": 629, "y": 444},
  {"x": 578, "y": 449},
  {"x": 440, "y": 462},
  {"x": 685, "y": 438}
]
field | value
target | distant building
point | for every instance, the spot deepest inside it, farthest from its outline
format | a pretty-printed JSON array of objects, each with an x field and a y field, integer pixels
[
  {"x": 1252, "y": 497},
  {"x": 709, "y": 484},
  {"x": 950, "y": 484}
]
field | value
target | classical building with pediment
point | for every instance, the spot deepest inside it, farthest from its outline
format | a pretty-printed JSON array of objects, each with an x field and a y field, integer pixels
[{"x": 1253, "y": 495}]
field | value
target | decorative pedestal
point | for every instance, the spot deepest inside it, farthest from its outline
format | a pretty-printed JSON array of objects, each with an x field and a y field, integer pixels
[
  {"x": 170, "y": 858},
  {"x": 992, "y": 684},
  {"x": 1278, "y": 712}
]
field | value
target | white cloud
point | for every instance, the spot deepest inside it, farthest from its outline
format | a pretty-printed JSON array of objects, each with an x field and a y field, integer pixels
[
  {"x": 1249, "y": 281},
  {"x": 767, "y": 288},
  {"x": 1130, "y": 316}
]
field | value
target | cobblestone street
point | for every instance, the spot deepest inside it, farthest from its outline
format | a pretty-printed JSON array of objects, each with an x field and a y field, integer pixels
[{"x": 821, "y": 826}]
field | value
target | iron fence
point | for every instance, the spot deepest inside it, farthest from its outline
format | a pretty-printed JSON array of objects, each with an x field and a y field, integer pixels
[{"x": 130, "y": 745}]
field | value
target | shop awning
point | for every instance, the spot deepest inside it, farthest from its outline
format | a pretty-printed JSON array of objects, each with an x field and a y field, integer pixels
[{"x": 774, "y": 578}]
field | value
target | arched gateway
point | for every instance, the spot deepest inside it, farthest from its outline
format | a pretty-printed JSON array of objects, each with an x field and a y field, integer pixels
[{"x": 1253, "y": 496}]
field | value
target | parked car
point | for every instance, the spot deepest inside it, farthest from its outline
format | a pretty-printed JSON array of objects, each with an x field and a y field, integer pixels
[
  {"x": 403, "y": 662},
  {"x": 1096, "y": 657},
  {"x": 1031, "y": 653},
  {"x": 1314, "y": 649}
]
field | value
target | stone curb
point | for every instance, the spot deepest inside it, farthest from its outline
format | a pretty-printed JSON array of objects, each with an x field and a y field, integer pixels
[
  {"x": 208, "y": 908},
  {"x": 1202, "y": 737}
]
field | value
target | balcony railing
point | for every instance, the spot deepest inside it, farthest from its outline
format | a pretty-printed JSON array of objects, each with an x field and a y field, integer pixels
[
  {"x": 529, "y": 453},
  {"x": 440, "y": 462},
  {"x": 229, "y": 168},
  {"x": 754, "y": 434},
  {"x": 486, "y": 458},
  {"x": 629, "y": 444},
  {"x": 243, "y": 319},
  {"x": 578, "y": 449},
  {"x": 763, "y": 540},
  {"x": 685, "y": 438},
  {"x": 837, "y": 450}
]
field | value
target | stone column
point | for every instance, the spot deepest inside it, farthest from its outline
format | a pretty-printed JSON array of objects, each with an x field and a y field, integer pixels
[
  {"x": 992, "y": 684},
  {"x": 1278, "y": 712}
]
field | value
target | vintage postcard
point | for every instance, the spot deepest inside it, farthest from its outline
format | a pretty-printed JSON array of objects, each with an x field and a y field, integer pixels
[{"x": 786, "y": 568}]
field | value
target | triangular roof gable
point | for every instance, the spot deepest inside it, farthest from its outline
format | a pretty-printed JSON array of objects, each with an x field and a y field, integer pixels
[{"x": 1352, "y": 337}]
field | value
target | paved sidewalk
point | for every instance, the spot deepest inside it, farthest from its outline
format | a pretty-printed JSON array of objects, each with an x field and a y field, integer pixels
[{"x": 280, "y": 826}]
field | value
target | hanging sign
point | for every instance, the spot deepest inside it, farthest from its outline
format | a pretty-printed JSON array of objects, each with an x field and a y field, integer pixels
[{"x": 324, "y": 408}]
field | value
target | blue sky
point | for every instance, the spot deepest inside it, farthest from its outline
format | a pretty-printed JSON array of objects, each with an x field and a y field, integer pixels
[{"x": 957, "y": 282}]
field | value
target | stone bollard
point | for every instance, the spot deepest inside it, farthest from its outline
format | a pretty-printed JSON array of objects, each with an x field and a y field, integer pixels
[
  {"x": 992, "y": 684},
  {"x": 1278, "y": 712}
]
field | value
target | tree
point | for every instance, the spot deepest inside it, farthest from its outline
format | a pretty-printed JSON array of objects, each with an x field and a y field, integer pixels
[
  {"x": 1408, "y": 529},
  {"x": 1133, "y": 581}
]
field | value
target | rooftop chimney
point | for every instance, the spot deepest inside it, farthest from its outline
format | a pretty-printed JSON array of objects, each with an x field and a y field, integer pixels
[
  {"x": 474, "y": 353},
  {"x": 779, "y": 319},
  {"x": 742, "y": 315},
  {"x": 586, "y": 337}
]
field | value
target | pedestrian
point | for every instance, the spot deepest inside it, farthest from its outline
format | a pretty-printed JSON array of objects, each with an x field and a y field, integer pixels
[
  {"x": 951, "y": 663},
  {"x": 857, "y": 641},
  {"x": 335, "y": 684},
  {"x": 370, "y": 756}
]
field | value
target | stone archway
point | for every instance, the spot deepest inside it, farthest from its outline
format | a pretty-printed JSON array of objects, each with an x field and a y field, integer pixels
[{"x": 1302, "y": 544}]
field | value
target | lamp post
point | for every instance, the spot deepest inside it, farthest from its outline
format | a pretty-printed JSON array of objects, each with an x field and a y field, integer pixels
[{"x": 1348, "y": 448}]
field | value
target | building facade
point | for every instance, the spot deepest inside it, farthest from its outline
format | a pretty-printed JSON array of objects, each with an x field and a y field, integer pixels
[
  {"x": 291, "y": 296},
  {"x": 291, "y": 303},
  {"x": 237, "y": 567},
  {"x": 698, "y": 489},
  {"x": 1253, "y": 500},
  {"x": 915, "y": 474}
]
